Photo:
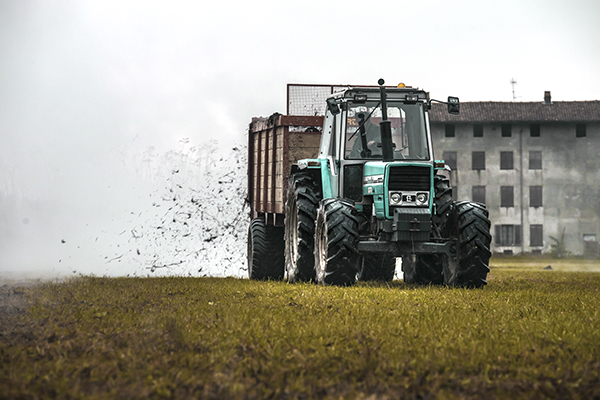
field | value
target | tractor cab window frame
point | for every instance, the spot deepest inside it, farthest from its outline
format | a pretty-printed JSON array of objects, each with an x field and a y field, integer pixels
[
  {"x": 409, "y": 131},
  {"x": 327, "y": 145}
]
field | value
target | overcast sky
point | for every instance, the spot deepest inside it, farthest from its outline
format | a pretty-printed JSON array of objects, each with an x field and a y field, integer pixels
[{"x": 86, "y": 84}]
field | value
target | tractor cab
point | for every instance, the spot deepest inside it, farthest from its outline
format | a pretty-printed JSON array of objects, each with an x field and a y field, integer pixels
[
  {"x": 366, "y": 132},
  {"x": 362, "y": 139}
]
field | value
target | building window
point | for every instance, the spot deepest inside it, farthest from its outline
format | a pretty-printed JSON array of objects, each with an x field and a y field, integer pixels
[
  {"x": 506, "y": 130},
  {"x": 477, "y": 130},
  {"x": 534, "y": 130},
  {"x": 450, "y": 130},
  {"x": 535, "y": 196},
  {"x": 507, "y": 198},
  {"x": 535, "y": 160},
  {"x": 479, "y": 194},
  {"x": 508, "y": 235},
  {"x": 478, "y": 160},
  {"x": 450, "y": 159},
  {"x": 506, "y": 160},
  {"x": 580, "y": 130},
  {"x": 536, "y": 235}
]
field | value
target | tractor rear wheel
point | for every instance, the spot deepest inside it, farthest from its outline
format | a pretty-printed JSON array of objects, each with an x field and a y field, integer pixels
[
  {"x": 378, "y": 267},
  {"x": 337, "y": 261},
  {"x": 300, "y": 214},
  {"x": 470, "y": 268},
  {"x": 265, "y": 251}
]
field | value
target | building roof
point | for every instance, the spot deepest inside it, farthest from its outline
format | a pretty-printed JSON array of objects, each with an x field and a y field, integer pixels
[{"x": 496, "y": 111}]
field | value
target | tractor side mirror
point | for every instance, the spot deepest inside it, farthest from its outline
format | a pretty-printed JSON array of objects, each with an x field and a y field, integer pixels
[
  {"x": 333, "y": 107},
  {"x": 453, "y": 105}
]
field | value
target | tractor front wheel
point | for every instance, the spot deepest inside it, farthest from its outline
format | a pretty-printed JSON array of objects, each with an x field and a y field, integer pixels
[
  {"x": 423, "y": 269},
  {"x": 378, "y": 267}
]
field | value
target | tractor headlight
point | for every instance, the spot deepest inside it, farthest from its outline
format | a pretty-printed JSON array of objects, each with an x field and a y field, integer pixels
[
  {"x": 421, "y": 199},
  {"x": 396, "y": 198}
]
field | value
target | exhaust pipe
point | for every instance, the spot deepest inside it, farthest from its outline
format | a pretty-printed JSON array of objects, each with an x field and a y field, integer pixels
[{"x": 387, "y": 146}]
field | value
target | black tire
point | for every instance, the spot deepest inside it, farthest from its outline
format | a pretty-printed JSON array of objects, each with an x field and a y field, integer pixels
[
  {"x": 428, "y": 268},
  {"x": 471, "y": 266},
  {"x": 378, "y": 267},
  {"x": 300, "y": 214},
  {"x": 424, "y": 269},
  {"x": 337, "y": 261},
  {"x": 443, "y": 222},
  {"x": 265, "y": 251}
]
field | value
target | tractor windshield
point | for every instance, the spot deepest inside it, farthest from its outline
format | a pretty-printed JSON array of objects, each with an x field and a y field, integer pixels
[{"x": 363, "y": 136}]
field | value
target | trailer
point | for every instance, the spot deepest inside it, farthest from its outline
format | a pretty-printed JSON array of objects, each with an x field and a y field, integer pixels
[{"x": 274, "y": 145}]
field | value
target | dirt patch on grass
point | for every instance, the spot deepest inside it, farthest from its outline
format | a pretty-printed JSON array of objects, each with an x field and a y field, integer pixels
[
  {"x": 13, "y": 303},
  {"x": 12, "y": 300}
]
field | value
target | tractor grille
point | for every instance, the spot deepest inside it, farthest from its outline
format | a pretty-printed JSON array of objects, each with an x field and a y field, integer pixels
[{"x": 410, "y": 178}]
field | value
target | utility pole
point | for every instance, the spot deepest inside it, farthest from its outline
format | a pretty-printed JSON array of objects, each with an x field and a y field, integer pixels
[{"x": 513, "y": 83}]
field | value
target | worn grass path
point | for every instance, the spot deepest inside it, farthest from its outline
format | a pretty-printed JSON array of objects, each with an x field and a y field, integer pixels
[{"x": 530, "y": 333}]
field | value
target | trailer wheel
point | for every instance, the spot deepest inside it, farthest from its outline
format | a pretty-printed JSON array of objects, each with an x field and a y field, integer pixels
[
  {"x": 378, "y": 267},
  {"x": 424, "y": 269},
  {"x": 337, "y": 261},
  {"x": 470, "y": 268},
  {"x": 300, "y": 215},
  {"x": 265, "y": 251}
]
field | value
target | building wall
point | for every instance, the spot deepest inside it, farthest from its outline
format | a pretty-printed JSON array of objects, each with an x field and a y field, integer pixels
[{"x": 569, "y": 178}]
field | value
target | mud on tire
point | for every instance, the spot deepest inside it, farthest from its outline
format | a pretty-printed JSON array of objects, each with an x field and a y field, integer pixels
[
  {"x": 470, "y": 268},
  {"x": 265, "y": 251},
  {"x": 300, "y": 214},
  {"x": 337, "y": 261}
]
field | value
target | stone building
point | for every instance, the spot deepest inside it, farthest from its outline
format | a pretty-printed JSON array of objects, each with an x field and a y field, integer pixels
[{"x": 536, "y": 165}]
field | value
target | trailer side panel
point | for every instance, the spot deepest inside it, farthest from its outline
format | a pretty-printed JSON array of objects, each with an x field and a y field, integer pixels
[{"x": 274, "y": 144}]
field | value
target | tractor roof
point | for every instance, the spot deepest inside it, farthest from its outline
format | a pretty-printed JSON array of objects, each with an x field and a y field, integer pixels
[{"x": 373, "y": 93}]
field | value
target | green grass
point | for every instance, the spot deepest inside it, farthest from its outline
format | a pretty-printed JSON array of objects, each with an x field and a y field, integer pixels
[
  {"x": 529, "y": 333},
  {"x": 532, "y": 262}
]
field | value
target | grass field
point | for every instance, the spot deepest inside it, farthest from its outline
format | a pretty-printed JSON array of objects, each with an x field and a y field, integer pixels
[{"x": 530, "y": 333}]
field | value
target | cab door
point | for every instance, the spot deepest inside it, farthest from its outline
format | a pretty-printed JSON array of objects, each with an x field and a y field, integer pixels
[
  {"x": 329, "y": 154},
  {"x": 350, "y": 178}
]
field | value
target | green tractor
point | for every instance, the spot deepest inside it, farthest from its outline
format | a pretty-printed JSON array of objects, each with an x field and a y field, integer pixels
[{"x": 374, "y": 193}]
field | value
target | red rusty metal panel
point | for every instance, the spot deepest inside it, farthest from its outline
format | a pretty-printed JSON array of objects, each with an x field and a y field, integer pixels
[
  {"x": 265, "y": 170},
  {"x": 301, "y": 120},
  {"x": 251, "y": 164},
  {"x": 264, "y": 163},
  {"x": 273, "y": 199},
  {"x": 258, "y": 206},
  {"x": 285, "y": 169}
]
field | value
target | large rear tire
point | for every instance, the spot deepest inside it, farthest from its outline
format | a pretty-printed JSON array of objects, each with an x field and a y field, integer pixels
[
  {"x": 378, "y": 267},
  {"x": 337, "y": 261},
  {"x": 471, "y": 266},
  {"x": 265, "y": 251},
  {"x": 300, "y": 214}
]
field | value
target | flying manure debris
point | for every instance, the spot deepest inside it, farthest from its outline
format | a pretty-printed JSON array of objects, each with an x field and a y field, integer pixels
[{"x": 196, "y": 222}]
